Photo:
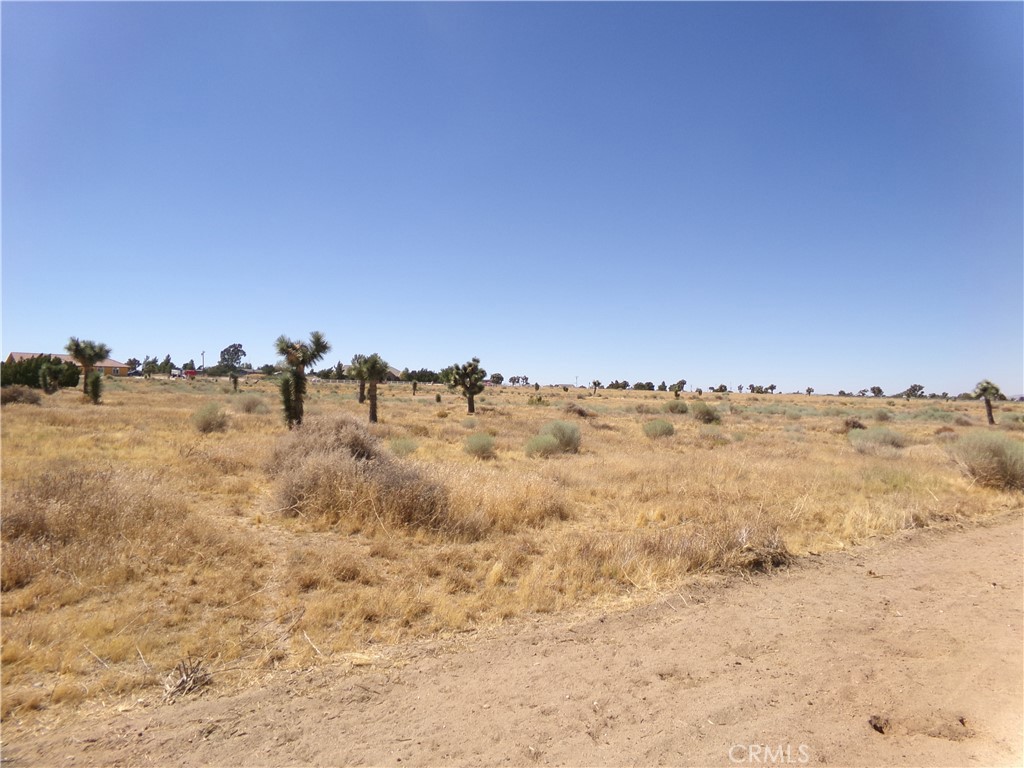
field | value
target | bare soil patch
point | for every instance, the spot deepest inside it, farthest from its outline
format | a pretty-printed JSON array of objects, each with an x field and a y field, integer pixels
[{"x": 904, "y": 652}]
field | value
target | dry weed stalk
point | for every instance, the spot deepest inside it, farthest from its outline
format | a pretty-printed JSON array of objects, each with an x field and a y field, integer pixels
[{"x": 188, "y": 676}]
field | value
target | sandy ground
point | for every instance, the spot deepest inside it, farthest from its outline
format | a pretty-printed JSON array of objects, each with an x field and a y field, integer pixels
[{"x": 906, "y": 652}]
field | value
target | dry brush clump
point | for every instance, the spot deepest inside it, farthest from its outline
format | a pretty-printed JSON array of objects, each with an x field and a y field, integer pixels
[
  {"x": 335, "y": 474},
  {"x": 107, "y": 578},
  {"x": 210, "y": 417},
  {"x": 16, "y": 393},
  {"x": 77, "y": 523},
  {"x": 878, "y": 440},
  {"x": 992, "y": 459}
]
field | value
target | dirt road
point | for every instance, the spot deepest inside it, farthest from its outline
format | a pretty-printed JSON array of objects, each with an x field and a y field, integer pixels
[{"x": 907, "y": 652}]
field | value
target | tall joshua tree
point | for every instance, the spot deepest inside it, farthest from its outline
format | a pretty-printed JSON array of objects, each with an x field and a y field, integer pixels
[
  {"x": 988, "y": 392},
  {"x": 298, "y": 355},
  {"x": 468, "y": 378},
  {"x": 375, "y": 369},
  {"x": 87, "y": 354},
  {"x": 358, "y": 372}
]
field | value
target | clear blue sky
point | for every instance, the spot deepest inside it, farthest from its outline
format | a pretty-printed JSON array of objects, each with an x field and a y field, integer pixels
[{"x": 826, "y": 195}]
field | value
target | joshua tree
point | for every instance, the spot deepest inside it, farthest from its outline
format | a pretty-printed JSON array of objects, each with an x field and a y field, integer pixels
[
  {"x": 468, "y": 379},
  {"x": 375, "y": 369},
  {"x": 810, "y": 391},
  {"x": 358, "y": 371},
  {"x": 772, "y": 388},
  {"x": 877, "y": 392},
  {"x": 988, "y": 392},
  {"x": 298, "y": 355},
  {"x": 596, "y": 385},
  {"x": 87, "y": 354}
]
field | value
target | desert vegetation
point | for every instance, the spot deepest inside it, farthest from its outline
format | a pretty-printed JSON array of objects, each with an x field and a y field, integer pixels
[{"x": 184, "y": 519}]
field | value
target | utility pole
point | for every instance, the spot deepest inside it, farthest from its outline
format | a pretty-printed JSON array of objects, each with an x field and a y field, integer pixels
[{"x": 203, "y": 356}]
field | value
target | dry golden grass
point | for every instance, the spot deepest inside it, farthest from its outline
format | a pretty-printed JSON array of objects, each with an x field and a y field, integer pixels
[{"x": 132, "y": 540}]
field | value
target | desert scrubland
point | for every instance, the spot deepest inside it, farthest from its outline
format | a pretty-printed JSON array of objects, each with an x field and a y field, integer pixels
[{"x": 181, "y": 520}]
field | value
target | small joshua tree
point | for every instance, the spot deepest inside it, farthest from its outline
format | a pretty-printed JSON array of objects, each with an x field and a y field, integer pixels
[
  {"x": 358, "y": 372},
  {"x": 988, "y": 392},
  {"x": 375, "y": 369},
  {"x": 94, "y": 386},
  {"x": 298, "y": 356},
  {"x": 468, "y": 378}
]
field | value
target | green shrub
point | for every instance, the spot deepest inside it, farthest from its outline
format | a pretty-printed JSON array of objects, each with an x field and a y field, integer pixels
[
  {"x": 881, "y": 414},
  {"x": 567, "y": 435},
  {"x": 658, "y": 428},
  {"x": 210, "y": 418},
  {"x": 16, "y": 393},
  {"x": 677, "y": 406},
  {"x": 705, "y": 413},
  {"x": 480, "y": 446},
  {"x": 992, "y": 459},
  {"x": 542, "y": 445}
]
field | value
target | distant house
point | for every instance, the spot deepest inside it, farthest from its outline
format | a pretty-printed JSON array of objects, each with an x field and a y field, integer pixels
[{"x": 108, "y": 367}]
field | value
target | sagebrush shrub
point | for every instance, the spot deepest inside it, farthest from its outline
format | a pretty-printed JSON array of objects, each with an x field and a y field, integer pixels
[
  {"x": 252, "y": 404},
  {"x": 875, "y": 438},
  {"x": 677, "y": 406},
  {"x": 567, "y": 435},
  {"x": 992, "y": 459},
  {"x": 480, "y": 446},
  {"x": 210, "y": 418},
  {"x": 658, "y": 428},
  {"x": 403, "y": 446},
  {"x": 705, "y": 413},
  {"x": 542, "y": 445}
]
